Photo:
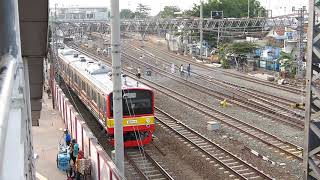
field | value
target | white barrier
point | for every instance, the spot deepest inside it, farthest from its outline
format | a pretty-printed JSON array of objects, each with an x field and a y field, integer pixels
[{"x": 102, "y": 166}]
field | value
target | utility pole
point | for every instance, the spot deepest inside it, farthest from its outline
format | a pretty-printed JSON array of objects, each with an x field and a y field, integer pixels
[
  {"x": 248, "y": 8},
  {"x": 55, "y": 45},
  {"x": 300, "y": 30},
  {"x": 201, "y": 26},
  {"x": 218, "y": 38},
  {"x": 311, "y": 148},
  {"x": 117, "y": 86}
]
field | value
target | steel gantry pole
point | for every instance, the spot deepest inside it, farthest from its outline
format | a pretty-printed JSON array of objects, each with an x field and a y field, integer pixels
[
  {"x": 312, "y": 116},
  {"x": 248, "y": 8},
  {"x": 201, "y": 26},
  {"x": 117, "y": 85},
  {"x": 300, "y": 30}
]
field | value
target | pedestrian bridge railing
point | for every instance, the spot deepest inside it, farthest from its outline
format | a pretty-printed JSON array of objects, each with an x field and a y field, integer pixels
[{"x": 16, "y": 151}]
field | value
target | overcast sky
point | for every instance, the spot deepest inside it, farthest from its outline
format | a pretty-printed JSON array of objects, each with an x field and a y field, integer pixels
[{"x": 279, "y": 7}]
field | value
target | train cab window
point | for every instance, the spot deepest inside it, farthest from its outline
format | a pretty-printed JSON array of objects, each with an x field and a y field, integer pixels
[{"x": 135, "y": 102}]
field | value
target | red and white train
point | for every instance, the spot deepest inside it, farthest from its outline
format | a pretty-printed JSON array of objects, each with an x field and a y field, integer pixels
[{"x": 92, "y": 82}]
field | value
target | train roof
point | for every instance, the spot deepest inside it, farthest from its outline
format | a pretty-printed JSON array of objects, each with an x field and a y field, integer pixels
[{"x": 96, "y": 72}]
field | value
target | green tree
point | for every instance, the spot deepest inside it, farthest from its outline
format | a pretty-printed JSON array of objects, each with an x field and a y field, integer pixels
[
  {"x": 222, "y": 53},
  {"x": 286, "y": 60},
  {"x": 142, "y": 11},
  {"x": 126, "y": 14},
  {"x": 242, "y": 47},
  {"x": 236, "y": 48},
  {"x": 230, "y": 8},
  {"x": 168, "y": 12}
]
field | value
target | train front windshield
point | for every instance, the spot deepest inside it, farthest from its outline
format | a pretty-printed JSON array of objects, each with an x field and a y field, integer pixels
[{"x": 135, "y": 102}]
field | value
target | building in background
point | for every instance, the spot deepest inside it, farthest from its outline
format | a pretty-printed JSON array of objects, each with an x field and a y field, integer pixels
[{"x": 82, "y": 13}]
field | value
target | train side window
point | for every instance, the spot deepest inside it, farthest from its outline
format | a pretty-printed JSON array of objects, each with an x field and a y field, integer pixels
[
  {"x": 81, "y": 84},
  {"x": 89, "y": 92},
  {"x": 76, "y": 79},
  {"x": 94, "y": 96}
]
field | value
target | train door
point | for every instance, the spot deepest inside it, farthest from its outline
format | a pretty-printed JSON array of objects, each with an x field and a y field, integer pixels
[
  {"x": 99, "y": 106},
  {"x": 102, "y": 107}
]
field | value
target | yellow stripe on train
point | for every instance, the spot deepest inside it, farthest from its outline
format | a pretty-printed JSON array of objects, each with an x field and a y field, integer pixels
[{"x": 133, "y": 121}]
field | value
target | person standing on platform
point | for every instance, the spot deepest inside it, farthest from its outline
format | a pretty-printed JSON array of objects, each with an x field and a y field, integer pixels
[
  {"x": 67, "y": 137},
  {"x": 74, "y": 150}
]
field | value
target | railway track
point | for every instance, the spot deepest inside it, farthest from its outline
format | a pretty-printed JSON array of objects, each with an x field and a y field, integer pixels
[
  {"x": 239, "y": 76},
  {"x": 234, "y": 166},
  {"x": 246, "y": 100},
  {"x": 145, "y": 165},
  {"x": 269, "y": 97},
  {"x": 229, "y": 122},
  {"x": 147, "y": 168}
]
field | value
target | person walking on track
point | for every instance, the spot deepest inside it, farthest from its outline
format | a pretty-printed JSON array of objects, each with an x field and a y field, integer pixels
[
  {"x": 172, "y": 68},
  {"x": 139, "y": 73},
  {"x": 181, "y": 70},
  {"x": 189, "y": 70}
]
